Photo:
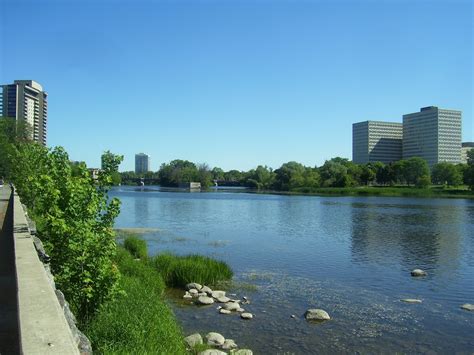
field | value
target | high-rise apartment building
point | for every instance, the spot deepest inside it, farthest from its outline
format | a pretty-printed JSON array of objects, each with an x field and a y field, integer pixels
[
  {"x": 376, "y": 141},
  {"x": 26, "y": 100},
  {"x": 142, "y": 163},
  {"x": 433, "y": 134},
  {"x": 465, "y": 147}
]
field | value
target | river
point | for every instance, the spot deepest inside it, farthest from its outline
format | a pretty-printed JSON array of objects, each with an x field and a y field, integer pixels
[{"x": 350, "y": 256}]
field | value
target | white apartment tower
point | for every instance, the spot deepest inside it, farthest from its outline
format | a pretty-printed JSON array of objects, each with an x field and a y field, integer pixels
[
  {"x": 26, "y": 100},
  {"x": 142, "y": 163},
  {"x": 433, "y": 134}
]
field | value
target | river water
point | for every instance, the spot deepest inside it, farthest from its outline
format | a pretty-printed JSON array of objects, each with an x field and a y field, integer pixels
[{"x": 350, "y": 256}]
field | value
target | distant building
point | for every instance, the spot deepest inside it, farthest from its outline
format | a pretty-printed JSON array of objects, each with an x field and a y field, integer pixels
[
  {"x": 376, "y": 141},
  {"x": 142, "y": 163},
  {"x": 26, "y": 100},
  {"x": 465, "y": 147},
  {"x": 433, "y": 134}
]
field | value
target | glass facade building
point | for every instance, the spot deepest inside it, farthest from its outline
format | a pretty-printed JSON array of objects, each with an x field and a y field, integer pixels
[{"x": 142, "y": 163}]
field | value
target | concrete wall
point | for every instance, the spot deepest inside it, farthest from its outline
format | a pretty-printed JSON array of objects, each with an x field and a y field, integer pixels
[{"x": 43, "y": 326}]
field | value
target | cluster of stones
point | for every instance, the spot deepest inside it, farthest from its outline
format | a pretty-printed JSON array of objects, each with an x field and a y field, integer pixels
[
  {"x": 422, "y": 273},
  {"x": 218, "y": 343},
  {"x": 203, "y": 295}
]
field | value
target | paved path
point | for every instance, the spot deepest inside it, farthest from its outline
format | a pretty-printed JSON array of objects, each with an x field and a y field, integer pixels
[{"x": 9, "y": 328}]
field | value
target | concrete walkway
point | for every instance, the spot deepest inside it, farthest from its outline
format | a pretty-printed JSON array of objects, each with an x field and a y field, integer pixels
[{"x": 9, "y": 323}]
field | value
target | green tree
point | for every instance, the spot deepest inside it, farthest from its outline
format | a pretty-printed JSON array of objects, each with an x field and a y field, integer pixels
[
  {"x": 469, "y": 172},
  {"x": 446, "y": 174},
  {"x": 217, "y": 174},
  {"x": 368, "y": 173},
  {"x": 334, "y": 173},
  {"x": 75, "y": 221}
]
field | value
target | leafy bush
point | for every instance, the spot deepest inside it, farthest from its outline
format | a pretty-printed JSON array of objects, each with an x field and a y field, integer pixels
[
  {"x": 139, "y": 321},
  {"x": 177, "y": 271},
  {"x": 75, "y": 220},
  {"x": 136, "y": 246}
]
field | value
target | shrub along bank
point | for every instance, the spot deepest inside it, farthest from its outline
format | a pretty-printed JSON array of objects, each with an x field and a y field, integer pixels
[{"x": 139, "y": 321}]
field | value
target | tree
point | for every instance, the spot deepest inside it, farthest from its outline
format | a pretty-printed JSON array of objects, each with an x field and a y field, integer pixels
[
  {"x": 217, "y": 173},
  {"x": 446, "y": 174},
  {"x": 368, "y": 173},
  {"x": 260, "y": 178},
  {"x": 75, "y": 221},
  {"x": 469, "y": 173},
  {"x": 334, "y": 173}
]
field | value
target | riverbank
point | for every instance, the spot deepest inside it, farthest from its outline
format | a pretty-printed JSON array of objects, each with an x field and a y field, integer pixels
[{"x": 401, "y": 191}]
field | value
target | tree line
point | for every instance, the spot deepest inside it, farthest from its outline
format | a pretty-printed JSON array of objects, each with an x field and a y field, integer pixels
[{"x": 336, "y": 172}]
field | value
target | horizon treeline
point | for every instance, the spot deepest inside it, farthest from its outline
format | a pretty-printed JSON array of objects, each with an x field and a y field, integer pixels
[{"x": 294, "y": 176}]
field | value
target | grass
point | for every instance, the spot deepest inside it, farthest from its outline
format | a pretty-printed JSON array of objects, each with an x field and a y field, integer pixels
[
  {"x": 393, "y": 191},
  {"x": 177, "y": 271},
  {"x": 139, "y": 321},
  {"x": 136, "y": 246}
]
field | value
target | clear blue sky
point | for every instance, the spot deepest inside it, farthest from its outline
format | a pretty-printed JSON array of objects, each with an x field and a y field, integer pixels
[{"x": 235, "y": 83}]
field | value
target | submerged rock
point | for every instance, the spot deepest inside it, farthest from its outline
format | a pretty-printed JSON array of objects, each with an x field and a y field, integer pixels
[
  {"x": 215, "y": 339},
  {"x": 193, "y": 285},
  {"x": 193, "y": 340},
  {"x": 411, "y": 300},
  {"x": 205, "y": 300},
  {"x": 468, "y": 307},
  {"x": 246, "y": 316},
  {"x": 418, "y": 272},
  {"x": 229, "y": 344},
  {"x": 224, "y": 311},
  {"x": 316, "y": 314}
]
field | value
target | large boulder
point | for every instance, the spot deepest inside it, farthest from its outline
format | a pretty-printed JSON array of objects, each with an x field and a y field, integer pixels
[
  {"x": 316, "y": 314},
  {"x": 193, "y": 340},
  {"x": 206, "y": 289},
  {"x": 215, "y": 339}
]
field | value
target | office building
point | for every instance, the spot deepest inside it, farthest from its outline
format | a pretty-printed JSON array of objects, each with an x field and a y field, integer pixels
[
  {"x": 433, "y": 134},
  {"x": 376, "y": 141},
  {"x": 142, "y": 163},
  {"x": 465, "y": 147},
  {"x": 26, "y": 100}
]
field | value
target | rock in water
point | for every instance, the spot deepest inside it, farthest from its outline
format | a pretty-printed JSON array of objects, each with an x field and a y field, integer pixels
[
  {"x": 193, "y": 285},
  {"x": 212, "y": 352},
  {"x": 231, "y": 306},
  {"x": 223, "y": 299},
  {"x": 193, "y": 340},
  {"x": 187, "y": 296},
  {"x": 243, "y": 352},
  {"x": 217, "y": 294},
  {"x": 246, "y": 315},
  {"x": 215, "y": 339},
  {"x": 206, "y": 289},
  {"x": 411, "y": 300},
  {"x": 468, "y": 307},
  {"x": 205, "y": 300},
  {"x": 193, "y": 292},
  {"x": 229, "y": 344},
  {"x": 316, "y": 314},
  {"x": 224, "y": 311},
  {"x": 418, "y": 272}
]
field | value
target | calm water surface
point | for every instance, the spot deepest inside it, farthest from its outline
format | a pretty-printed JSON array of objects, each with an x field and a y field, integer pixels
[{"x": 351, "y": 256}]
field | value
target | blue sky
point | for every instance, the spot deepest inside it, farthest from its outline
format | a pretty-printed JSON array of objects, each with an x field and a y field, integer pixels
[{"x": 235, "y": 83}]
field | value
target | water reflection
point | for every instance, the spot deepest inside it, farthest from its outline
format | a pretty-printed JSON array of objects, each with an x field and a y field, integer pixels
[{"x": 410, "y": 235}]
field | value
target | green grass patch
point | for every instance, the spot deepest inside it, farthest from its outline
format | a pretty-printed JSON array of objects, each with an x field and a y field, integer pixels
[
  {"x": 136, "y": 246},
  {"x": 139, "y": 321},
  {"x": 177, "y": 271}
]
